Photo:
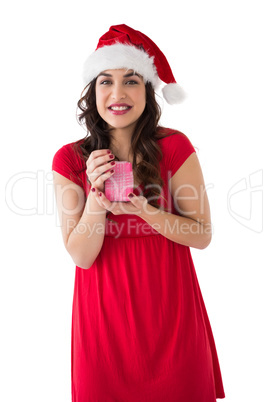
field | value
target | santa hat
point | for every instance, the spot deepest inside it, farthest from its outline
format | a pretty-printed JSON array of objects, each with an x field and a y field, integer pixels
[{"x": 124, "y": 47}]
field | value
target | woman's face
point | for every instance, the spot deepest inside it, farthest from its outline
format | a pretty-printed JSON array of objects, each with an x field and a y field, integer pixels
[{"x": 120, "y": 97}]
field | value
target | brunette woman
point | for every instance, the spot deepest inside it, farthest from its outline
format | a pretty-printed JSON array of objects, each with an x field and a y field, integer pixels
[{"x": 140, "y": 330}]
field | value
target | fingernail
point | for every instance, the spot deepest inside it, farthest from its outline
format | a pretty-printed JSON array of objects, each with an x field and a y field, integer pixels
[
  {"x": 130, "y": 195},
  {"x": 112, "y": 156},
  {"x": 112, "y": 171},
  {"x": 108, "y": 152},
  {"x": 100, "y": 194},
  {"x": 112, "y": 163},
  {"x": 93, "y": 189}
]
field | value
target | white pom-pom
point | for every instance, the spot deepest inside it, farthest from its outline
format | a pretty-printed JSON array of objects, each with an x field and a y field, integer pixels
[{"x": 173, "y": 93}]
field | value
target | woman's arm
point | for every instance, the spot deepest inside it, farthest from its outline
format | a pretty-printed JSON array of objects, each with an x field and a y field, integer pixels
[
  {"x": 83, "y": 220},
  {"x": 193, "y": 227}
]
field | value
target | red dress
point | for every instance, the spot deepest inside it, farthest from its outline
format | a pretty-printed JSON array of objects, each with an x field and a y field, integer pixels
[{"x": 140, "y": 330}]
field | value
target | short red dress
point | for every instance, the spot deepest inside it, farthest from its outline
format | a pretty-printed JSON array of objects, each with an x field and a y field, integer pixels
[{"x": 140, "y": 330}]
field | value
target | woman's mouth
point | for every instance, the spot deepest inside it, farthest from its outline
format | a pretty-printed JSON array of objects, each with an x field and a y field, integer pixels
[{"x": 119, "y": 108}]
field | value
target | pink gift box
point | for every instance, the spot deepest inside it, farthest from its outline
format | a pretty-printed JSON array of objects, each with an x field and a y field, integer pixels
[{"x": 121, "y": 183}]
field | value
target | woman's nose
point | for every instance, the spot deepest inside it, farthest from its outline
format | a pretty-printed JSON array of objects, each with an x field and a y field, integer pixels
[{"x": 118, "y": 92}]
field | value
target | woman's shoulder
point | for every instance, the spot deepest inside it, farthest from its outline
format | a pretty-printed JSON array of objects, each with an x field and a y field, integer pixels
[
  {"x": 68, "y": 158},
  {"x": 72, "y": 148},
  {"x": 176, "y": 148},
  {"x": 68, "y": 161},
  {"x": 70, "y": 152},
  {"x": 169, "y": 136}
]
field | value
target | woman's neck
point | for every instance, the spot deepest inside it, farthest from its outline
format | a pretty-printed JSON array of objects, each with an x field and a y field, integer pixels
[{"x": 121, "y": 145}]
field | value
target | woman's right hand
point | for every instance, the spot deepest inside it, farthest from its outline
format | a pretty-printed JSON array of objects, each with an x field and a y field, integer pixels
[{"x": 100, "y": 167}]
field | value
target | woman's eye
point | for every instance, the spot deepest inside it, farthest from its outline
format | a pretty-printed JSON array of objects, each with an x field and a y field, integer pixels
[
  {"x": 131, "y": 82},
  {"x": 105, "y": 82}
]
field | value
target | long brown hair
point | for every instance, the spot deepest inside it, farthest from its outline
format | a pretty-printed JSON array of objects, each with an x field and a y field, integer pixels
[{"x": 144, "y": 139}]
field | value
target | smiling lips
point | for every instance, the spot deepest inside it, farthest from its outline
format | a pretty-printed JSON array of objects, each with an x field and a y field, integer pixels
[{"x": 119, "y": 108}]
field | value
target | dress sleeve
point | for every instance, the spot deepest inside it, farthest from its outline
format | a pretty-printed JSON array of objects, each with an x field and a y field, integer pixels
[
  {"x": 176, "y": 149},
  {"x": 67, "y": 163}
]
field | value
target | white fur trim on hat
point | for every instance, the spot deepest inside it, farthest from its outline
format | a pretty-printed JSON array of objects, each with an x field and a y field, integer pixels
[
  {"x": 119, "y": 56},
  {"x": 173, "y": 93}
]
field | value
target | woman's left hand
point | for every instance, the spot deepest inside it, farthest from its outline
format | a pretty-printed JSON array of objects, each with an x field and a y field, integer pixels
[{"x": 135, "y": 206}]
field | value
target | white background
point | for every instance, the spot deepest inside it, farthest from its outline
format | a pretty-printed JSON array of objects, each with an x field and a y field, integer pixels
[{"x": 218, "y": 53}]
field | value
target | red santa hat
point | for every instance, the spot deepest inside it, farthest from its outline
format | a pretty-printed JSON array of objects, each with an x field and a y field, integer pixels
[{"x": 124, "y": 47}]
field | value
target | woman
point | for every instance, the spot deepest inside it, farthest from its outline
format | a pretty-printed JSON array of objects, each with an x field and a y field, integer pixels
[{"x": 140, "y": 330}]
